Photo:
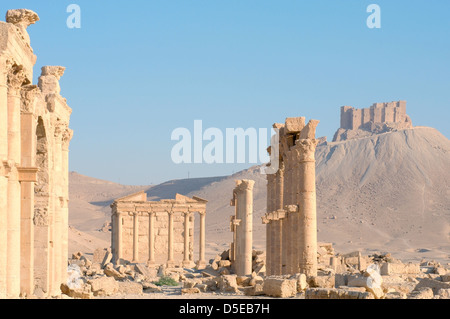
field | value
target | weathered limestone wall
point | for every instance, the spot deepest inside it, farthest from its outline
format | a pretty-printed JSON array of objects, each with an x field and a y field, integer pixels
[
  {"x": 157, "y": 233},
  {"x": 34, "y": 141},
  {"x": 242, "y": 227},
  {"x": 291, "y": 235}
]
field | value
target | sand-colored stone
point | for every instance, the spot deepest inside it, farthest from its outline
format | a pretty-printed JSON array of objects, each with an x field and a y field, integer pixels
[
  {"x": 34, "y": 146},
  {"x": 157, "y": 232},
  {"x": 242, "y": 227},
  {"x": 291, "y": 235},
  {"x": 280, "y": 287}
]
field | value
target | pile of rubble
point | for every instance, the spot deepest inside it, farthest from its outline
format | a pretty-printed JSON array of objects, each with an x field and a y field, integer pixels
[{"x": 346, "y": 276}]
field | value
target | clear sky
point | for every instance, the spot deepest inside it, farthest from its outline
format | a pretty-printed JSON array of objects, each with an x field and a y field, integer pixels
[{"x": 136, "y": 70}]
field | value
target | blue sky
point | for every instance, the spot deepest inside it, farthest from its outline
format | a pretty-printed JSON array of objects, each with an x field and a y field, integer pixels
[{"x": 136, "y": 70}]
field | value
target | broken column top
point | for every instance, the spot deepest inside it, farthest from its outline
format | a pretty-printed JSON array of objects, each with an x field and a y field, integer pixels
[
  {"x": 57, "y": 71},
  {"x": 23, "y": 17}
]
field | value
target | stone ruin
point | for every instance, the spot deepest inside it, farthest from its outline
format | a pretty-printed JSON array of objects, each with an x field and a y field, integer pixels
[
  {"x": 34, "y": 148},
  {"x": 241, "y": 225},
  {"x": 291, "y": 231},
  {"x": 379, "y": 118},
  {"x": 157, "y": 232}
]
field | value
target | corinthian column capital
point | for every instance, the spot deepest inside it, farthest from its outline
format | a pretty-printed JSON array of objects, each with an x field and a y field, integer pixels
[
  {"x": 16, "y": 78},
  {"x": 305, "y": 150}
]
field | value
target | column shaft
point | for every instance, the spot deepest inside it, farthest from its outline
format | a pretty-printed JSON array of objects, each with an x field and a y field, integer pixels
[
  {"x": 135, "y": 238},
  {"x": 151, "y": 239},
  {"x": 186, "y": 261},
  {"x": 170, "y": 261},
  {"x": 202, "y": 242}
]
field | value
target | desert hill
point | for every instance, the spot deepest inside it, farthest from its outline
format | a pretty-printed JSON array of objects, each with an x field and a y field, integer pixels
[{"x": 387, "y": 193}]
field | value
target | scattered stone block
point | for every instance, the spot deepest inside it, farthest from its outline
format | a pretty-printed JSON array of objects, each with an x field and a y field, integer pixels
[
  {"x": 129, "y": 288},
  {"x": 227, "y": 283},
  {"x": 434, "y": 284},
  {"x": 422, "y": 293},
  {"x": 104, "y": 286},
  {"x": 255, "y": 290},
  {"x": 99, "y": 255},
  {"x": 445, "y": 278},
  {"x": 243, "y": 280},
  {"x": 83, "y": 292},
  {"x": 149, "y": 287},
  {"x": 388, "y": 269},
  {"x": 111, "y": 272},
  {"x": 107, "y": 259},
  {"x": 322, "y": 281},
  {"x": 280, "y": 287},
  {"x": 185, "y": 291}
]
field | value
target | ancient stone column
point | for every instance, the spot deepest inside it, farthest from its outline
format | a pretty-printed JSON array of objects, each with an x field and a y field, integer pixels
[
  {"x": 201, "y": 264},
  {"x": 28, "y": 153},
  {"x": 170, "y": 260},
  {"x": 16, "y": 78},
  {"x": 135, "y": 237},
  {"x": 287, "y": 253},
  {"x": 307, "y": 199},
  {"x": 119, "y": 241},
  {"x": 13, "y": 235},
  {"x": 151, "y": 239},
  {"x": 4, "y": 171},
  {"x": 186, "y": 261},
  {"x": 277, "y": 225},
  {"x": 269, "y": 226},
  {"x": 57, "y": 213},
  {"x": 66, "y": 138},
  {"x": 244, "y": 236}
]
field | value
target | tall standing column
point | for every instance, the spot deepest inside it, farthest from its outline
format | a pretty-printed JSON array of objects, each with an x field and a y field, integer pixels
[
  {"x": 270, "y": 207},
  {"x": 16, "y": 78},
  {"x": 58, "y": 208},
  {"x": 277, "y": 224},
  {"x": 202, "y": 242},
  {"x": 186, "y": 261},
  {"x": 4, "y": 67},
  {"x": 244, "y": 235},
  {"x": 151, "y": 239},
  {"x": 288, "y": 225},
  {"x": 307, "y": 205},
  {"x": 66, "y": 138},
  {"x": 28, "y": 131},
  {"x": 135, "y": 237},
  {"x": 170, "y": 260},
  {"x": 119, "y": 236}
]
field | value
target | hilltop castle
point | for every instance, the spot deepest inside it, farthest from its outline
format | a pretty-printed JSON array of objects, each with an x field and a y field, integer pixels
[{"x": 378, "y": 118}]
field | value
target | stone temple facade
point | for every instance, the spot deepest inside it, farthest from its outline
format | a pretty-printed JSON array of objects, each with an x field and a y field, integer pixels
[
  {"x": 34, "y": 156},
  {"x": 291, "y": 231},
  {"x": 378, "y": 118},
  {"x": 157, "y": 232}
]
